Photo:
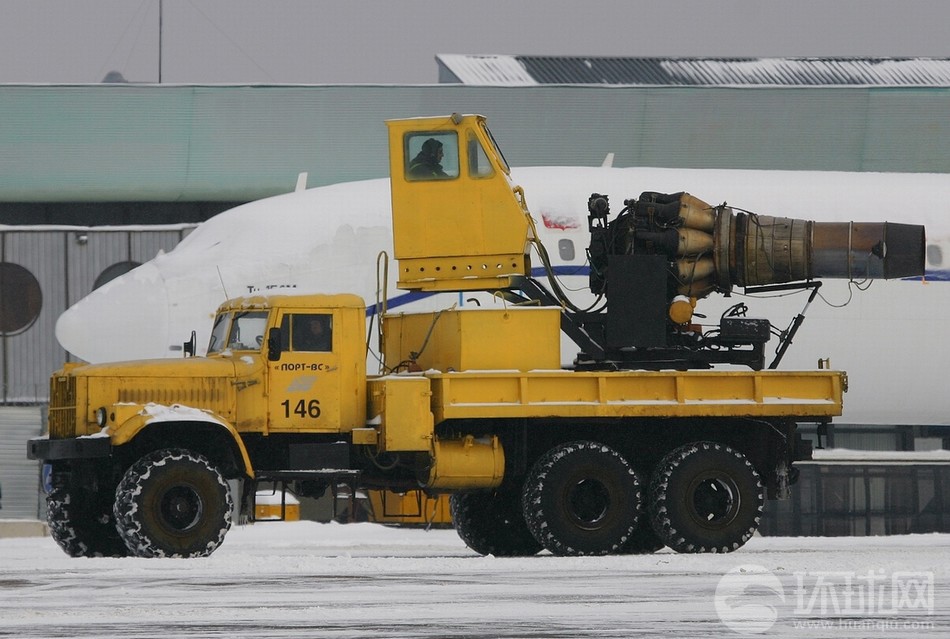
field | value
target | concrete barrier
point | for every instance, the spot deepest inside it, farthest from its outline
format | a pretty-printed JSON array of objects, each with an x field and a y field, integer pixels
[{"x": 23, "y": 528}]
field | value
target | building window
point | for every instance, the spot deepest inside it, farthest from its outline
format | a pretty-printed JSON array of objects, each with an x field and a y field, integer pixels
[
  {"x": 112, "y": 272},
  {"x": 21, "y": 299}
]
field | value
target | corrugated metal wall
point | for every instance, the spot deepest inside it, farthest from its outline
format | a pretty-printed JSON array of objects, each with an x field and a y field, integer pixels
[
  {"x": 19, "y": 476},
  {"x": 65, "y": 263},
  {"x": 167, "y": 143}
]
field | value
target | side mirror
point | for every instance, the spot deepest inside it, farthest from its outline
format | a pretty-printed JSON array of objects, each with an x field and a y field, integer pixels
[
  {"x": 273, "y": 344},
  {"x": 191, "y": 345}
]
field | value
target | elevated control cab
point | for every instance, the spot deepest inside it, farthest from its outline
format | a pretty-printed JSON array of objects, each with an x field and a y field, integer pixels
[{"x": 458, "y": 222}]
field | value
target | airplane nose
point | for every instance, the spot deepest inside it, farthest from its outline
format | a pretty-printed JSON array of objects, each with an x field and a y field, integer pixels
[{"x": 125, "y": 319}]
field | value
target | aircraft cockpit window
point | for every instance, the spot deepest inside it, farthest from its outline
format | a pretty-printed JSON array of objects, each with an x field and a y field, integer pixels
[
  {"x": 478, "y": 163},
  {"x": 431, "y": 155},
  {"x": 935, "y": 255},
  {"x": 247, "y": 331}
]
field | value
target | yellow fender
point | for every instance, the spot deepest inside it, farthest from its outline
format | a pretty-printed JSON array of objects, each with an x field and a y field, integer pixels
[{"x": 128, "y": 420}]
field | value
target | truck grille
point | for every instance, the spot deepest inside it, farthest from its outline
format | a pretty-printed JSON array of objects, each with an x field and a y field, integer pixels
[
  {"x": 62, "y": 407},
  {"x": 204, "y": 393}
]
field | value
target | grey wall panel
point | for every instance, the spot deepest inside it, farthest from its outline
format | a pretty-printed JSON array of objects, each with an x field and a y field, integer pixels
[
  {"x": 28, "y": 353},
  {"x": 19, "y": 476},
  {"x": 88, "y": 259},
  {"x": 909, "y": 129},
  {"x": 144, "y": 245},
  {"x": 133, "y": 143},
  {"x": 66, "y": 263}
]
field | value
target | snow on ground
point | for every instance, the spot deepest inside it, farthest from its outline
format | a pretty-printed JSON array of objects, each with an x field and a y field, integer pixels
[{"x": 304, "y": 579}]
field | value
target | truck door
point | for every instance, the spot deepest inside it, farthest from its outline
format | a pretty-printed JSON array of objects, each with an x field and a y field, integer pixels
[{"x": 304, "y": 390}]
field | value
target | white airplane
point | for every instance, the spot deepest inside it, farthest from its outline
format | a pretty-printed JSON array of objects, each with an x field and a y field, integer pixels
[{"x": 889, "y": 338}]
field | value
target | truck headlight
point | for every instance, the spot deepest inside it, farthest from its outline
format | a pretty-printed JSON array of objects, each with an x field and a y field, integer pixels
[{"x": 101, "y": 416}]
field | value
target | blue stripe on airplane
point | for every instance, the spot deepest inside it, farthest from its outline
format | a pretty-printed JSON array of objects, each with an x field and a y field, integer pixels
[{"x": 933, "y": 275}]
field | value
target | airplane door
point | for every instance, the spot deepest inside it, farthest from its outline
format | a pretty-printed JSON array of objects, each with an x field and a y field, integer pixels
[{"x": 304, "y": 391}]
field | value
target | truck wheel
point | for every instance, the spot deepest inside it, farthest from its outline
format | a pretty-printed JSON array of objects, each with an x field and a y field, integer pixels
[
  {"x": 173, "y": 503},
  {"x": 643, "y": 540},
  {"x": 491, "y": 523},
  {"x": 707, "y": 497},
  {"x": 581, "y": 498},
  {"x": 80, "y": 524}
]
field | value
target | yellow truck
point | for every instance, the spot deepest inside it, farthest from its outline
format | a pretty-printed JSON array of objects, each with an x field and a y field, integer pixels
[{"x": 638, "y": 445}]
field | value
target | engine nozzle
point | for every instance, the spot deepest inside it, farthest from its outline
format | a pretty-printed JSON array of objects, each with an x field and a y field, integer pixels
[
  {"x": 715, "y": 248},
  {"x": 753, "y": 250}
]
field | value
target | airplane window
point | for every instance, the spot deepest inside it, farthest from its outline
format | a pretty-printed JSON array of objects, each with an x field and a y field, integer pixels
[
  {"x": 565, "y": 249},
  {"x": 431, "y": 155},
  {"x": 114, "y": 271},
  {"x": 247, "y": 331},
  {"x": 934, "y": 255},
  {"x": 478, "y": 163},
  {"x": 21, "y": 298}
]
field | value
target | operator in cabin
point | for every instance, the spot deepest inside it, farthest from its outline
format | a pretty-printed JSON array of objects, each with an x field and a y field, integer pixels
[
  {"x": 312, "y": 333},
  {"x": 428, "y": 162}
]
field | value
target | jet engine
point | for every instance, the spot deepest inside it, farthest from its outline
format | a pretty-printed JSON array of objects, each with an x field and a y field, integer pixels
[{"x": 662, "y": 252}]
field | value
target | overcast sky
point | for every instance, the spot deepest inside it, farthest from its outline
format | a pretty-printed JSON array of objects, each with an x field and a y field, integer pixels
[{"x": 393, "y": 41}]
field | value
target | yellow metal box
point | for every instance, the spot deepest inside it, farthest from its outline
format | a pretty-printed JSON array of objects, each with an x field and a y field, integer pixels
[
  {"x": 399, "y": 406},
  {"x": 521, "y": 339}
]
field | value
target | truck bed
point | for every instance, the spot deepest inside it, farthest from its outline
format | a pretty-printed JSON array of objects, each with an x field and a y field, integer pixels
[{"x": 473, "y": 394}]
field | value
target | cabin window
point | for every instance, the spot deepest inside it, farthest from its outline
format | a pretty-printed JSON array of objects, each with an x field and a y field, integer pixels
[
  {"x": 498, "y": 153},
  {"x": 934, "y": 255},
  {"x": 307, "y": 332},
  {"x": 479, "y": 165},
  {"x": 432, "y": 155},
  {"x": 565, "y": 249}
]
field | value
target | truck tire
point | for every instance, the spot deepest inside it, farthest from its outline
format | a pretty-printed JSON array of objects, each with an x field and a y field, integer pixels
[
  {"x": 643, "y": 540},
  {"x": 491, "y": 523},
  {"x": 706, "y": 497},
  {"x": 582, "y": 498},
  {"x": 80, "y": 523},
  {"x": 173, "y": 503}
]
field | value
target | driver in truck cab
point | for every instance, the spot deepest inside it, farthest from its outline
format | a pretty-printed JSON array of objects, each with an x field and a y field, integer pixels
[{"x": 312, "y": 333}]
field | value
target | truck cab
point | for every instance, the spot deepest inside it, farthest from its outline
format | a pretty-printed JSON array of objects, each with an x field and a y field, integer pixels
[{"x": 303, "y": 357}]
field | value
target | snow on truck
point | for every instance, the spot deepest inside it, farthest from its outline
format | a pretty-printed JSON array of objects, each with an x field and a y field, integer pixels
[{"x": 640, "y": 443}]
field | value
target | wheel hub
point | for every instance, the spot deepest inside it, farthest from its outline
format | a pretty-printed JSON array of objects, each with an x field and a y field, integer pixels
[
  {"x": 588, "y": 501},
  {"x": 181, "y": 508},
  {"x": 714, "y": 500}
]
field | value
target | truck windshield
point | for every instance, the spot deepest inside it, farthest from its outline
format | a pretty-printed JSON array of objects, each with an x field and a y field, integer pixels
[
  {"x": 247, "y": 330},
  {"x": 238, "y": 331},
  {"x": 218, "y": 332}
]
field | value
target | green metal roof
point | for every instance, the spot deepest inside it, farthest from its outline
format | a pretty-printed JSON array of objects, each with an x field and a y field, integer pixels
[{"x": 128, "y": 142}]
